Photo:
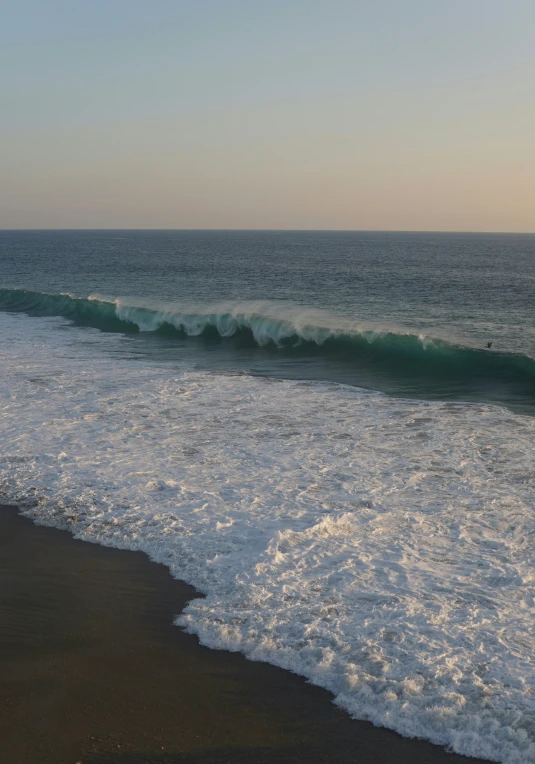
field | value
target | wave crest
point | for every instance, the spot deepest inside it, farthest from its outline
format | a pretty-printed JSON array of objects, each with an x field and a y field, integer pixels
[{"x": 418, "y": 364}]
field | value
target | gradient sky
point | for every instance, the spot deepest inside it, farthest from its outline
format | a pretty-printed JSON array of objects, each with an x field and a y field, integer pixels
[{"x": 379, "y": 114}]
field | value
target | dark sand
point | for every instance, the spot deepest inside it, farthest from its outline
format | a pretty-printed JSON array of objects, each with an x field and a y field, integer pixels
[{"x": 92, "y": 670}]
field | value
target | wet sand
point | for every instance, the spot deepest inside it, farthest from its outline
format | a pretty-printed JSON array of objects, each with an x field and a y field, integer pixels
[{"x": 92, "y": 670}]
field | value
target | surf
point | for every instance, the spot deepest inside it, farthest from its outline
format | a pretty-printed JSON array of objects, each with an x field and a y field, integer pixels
[
  {"x": 367, "y": 355},
  {"x": 382, "y": 548}
]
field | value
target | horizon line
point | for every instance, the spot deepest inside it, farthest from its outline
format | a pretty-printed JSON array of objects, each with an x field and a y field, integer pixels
[{"x": 274, "y": 230}]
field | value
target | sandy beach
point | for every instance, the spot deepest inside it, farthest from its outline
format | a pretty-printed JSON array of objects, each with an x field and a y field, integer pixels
[{"x": 92, "y": 670}]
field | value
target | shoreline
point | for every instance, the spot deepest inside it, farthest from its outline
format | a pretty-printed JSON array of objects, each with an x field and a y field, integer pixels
[{"x": 93, "y": 670}]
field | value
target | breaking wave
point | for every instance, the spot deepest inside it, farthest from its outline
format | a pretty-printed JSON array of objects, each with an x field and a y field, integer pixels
[{"x": 435, "y": 365}]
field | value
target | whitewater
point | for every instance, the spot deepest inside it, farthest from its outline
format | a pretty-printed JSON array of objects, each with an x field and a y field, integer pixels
[{"x": 382, "y": 547}]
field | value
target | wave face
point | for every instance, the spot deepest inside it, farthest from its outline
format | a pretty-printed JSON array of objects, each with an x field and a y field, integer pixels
[
  {"x": 381, "y": 547},
  {"x": 388, "y": 360}
]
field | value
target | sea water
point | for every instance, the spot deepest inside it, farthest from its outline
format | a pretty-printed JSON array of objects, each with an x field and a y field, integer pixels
[{"x": 311, "y": 429}]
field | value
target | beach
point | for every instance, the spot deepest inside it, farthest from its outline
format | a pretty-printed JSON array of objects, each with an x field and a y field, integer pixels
[
  {"x": 267, "y": 383},
  {"x": 93, "y": 671},
  {"x": 343, "y": 477}
]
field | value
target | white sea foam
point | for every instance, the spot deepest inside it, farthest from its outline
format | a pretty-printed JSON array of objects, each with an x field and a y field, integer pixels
[{"x": 383, "y": 548}]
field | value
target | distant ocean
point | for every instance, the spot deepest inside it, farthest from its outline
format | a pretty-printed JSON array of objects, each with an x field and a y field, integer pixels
[{"x": 330, "y": 434}]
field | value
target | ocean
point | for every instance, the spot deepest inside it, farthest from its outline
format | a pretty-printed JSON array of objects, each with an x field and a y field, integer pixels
[{"x": 330, "y": 434}]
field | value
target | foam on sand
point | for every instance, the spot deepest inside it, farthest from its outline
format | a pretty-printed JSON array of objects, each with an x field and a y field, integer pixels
[{"x": 383, "y": 548}]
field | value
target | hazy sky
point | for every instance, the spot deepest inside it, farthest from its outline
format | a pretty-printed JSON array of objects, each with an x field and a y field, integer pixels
[{"x": 378, "y": 114}]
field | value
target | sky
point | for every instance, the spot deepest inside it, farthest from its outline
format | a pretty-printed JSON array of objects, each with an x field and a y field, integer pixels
[{"x": 268, "y": 114}]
